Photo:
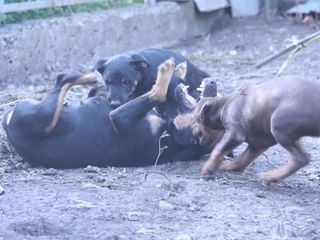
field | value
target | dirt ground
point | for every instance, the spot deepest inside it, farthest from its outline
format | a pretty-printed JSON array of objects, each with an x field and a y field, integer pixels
[{"x": 174, "y": 201}]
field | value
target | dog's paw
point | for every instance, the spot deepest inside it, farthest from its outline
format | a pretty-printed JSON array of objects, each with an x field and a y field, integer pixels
[
  {"x": 227, "y": 165},
  {"x": 167, "y": 67},
  {"x": 270, "y": 176},
  {"x": 181, "y": 70},
  {"x": 206, "y": 169}
]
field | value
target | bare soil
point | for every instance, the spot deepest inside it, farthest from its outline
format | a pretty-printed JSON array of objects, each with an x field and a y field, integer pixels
[{"x": 173, "y": 201}]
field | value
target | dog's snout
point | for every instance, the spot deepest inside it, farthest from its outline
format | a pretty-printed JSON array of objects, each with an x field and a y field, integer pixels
[{"x": 115, "y": 103}]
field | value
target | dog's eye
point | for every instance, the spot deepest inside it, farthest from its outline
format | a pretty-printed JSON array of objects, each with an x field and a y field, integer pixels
[{"x": 124, "y": 81}]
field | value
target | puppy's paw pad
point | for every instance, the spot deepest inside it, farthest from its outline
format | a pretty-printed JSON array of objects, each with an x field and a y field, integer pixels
[{"x": 167, "y": 67}]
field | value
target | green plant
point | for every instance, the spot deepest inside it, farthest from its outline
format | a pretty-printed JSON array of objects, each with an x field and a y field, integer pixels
[{"x": 15, "y": 17}]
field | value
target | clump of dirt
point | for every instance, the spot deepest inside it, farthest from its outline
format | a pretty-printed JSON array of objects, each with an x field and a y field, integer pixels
[{"x": 173, "y": 201}]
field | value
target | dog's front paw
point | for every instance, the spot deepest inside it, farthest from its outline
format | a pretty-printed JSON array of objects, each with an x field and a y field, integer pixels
[
  {"x": 207, "y": 169},
  {"x": 227, "y": 165},
  {"x": 269, "y": 176}
]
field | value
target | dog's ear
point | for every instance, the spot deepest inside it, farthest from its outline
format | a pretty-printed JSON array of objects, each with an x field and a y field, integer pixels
[
  {"x": 100, "y": 66},
  {"x": 60, "y": 78},
  {"x": 210, "y": 115},
  {"x": 139, "y": 61},
  {"x": 204, "y": 113}
]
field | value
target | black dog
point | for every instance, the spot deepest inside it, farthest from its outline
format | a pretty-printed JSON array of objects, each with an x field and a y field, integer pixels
[
  {"x": 51, "y": 134},
  {"x": 130, "y": 75}
]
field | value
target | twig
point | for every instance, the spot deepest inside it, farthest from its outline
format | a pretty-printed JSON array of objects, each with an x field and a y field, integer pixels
[
  {"x": 163, "y": 135},
  {"x": 280, "y": 227},
  {"x": 288, "y": 49},
  {"x": 126, "y": 183},
  {"x": 9, "y": 103},
  {"x": 294, "y": 53},
  {"x": 147, "y": 173}
]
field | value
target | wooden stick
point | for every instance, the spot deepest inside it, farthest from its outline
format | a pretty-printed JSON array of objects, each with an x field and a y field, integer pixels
[{"x": 287, "y": 49}]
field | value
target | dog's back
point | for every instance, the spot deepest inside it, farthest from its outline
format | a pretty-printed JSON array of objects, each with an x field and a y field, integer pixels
[{"x": 291, "y": 100}]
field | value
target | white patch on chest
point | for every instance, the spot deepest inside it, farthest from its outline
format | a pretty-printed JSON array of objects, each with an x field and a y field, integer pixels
[{"x": 155, "y": 123}]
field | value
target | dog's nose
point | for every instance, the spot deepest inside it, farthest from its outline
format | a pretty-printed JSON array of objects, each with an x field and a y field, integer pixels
[{"x": 115, "y": 103}]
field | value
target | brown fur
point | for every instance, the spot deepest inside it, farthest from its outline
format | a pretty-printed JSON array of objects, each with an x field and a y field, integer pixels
[{"x": 278, "y": 111}]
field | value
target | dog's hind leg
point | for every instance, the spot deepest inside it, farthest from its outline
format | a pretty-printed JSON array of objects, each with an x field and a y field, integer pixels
[
  {"x": 53, "y": 103},
  {"x": 285, "y": 130},
  {"x": 298, "y": 158},
  {"x": 181, "y": 70},
  {"x": 243, "y": 161}
]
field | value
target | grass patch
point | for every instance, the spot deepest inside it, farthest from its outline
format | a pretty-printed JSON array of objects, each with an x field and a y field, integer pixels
[{"x": 15, "y": 17}]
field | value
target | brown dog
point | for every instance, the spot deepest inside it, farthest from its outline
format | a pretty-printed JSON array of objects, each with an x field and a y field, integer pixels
[{"x": 278, "y": 111}]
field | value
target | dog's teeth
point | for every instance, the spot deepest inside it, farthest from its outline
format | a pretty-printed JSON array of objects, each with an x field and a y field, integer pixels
[
  {"x": 185, "y": 87},
  {"x": 200, "y": 89}
]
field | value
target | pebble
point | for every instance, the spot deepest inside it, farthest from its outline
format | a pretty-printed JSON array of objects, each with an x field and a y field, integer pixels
[
  {"x": 21, "y": 166},
  {"x": 314, "y": 177},
  {"x": 1, "y": 190},
  {"x": 233, "y": 53},
  {"x": 163, "y": 205},
  {"x": 92, "y": 169},
  {"x": 90, "y": 186},
  {"x": 50, "y": 172},
  {"x": 260, "y": 195},
  {"x": 183, "y": 237},
  {"x": 146, "y": 231}
]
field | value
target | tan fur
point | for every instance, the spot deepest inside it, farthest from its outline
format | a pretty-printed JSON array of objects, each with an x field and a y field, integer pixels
[
  {"x": 93, "y": 78},
  {"x": 160, "y": 88},
  {"x": 59, "y": 107}
]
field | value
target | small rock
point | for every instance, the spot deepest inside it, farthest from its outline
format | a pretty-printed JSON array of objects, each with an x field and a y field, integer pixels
[
  {"x": 136, "y": 216},
  {"x": 50, "y": 172},
  {"x": 21, "y": 166},
  {"x": 310, "y": 221},
  {"x": 90, "y": 186},
  {"x": 1, "y": 190},
  {"x": 100, "y": 179},
  {"x": 314, "y": 177},
  {"x": 183, "y": 237},
  {"x": 260, "y": 195},
  {"x": 146, "y": 231},
  {"x": 92, "y": 169},
  {"x": 163, "y": 205},
  {"x": 172, "y": 194},
  {"x": 233, "y": 52},
  {"x": 7, "y": 169}
]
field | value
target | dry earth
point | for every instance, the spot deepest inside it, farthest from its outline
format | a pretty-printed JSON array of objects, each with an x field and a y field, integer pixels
[{"x": 174, "y": 201}]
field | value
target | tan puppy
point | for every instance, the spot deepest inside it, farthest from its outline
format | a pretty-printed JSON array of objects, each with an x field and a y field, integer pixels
[{"x": 278, "y": 111}]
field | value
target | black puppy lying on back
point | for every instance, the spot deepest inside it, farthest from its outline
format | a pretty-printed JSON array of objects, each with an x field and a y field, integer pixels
[
  {"x": 130, "y": 75},
  {"x": 90, "y": 132}
]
